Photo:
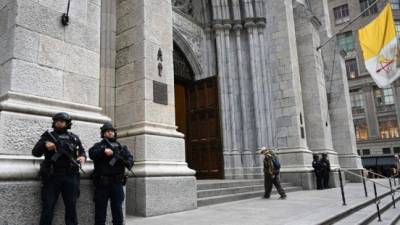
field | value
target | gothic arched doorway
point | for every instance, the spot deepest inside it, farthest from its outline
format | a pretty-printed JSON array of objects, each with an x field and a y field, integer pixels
[{"x": 197, "y": 116}]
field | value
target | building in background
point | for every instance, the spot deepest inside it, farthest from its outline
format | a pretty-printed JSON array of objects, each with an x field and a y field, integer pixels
[{"x": 376, "y": 112}]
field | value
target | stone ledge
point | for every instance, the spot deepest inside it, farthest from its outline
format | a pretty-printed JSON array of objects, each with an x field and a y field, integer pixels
[
  {"x": 148, "y": 128},
  {"x": 162, "y": 169},
  {"x": 13, "y": 167},
  {"x": 30, "y": 104}
]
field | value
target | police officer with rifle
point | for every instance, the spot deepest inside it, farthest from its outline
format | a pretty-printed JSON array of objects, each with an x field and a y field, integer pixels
[
  {"x": 110, "y": 160},
  {"x": 63, "y": 156}
]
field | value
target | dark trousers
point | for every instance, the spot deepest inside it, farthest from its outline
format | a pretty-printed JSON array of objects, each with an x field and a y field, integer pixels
[
  {"x": 325, "y": 180},
  {"x": 68, "y": 187},
  {"x": 268, "y": 181},
  {"x": 102, "y": 194},
  {"x": 319, "y": 180}
]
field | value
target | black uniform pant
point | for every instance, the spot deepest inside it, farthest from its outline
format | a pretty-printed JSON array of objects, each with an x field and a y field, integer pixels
[
  {"x": 268, "y": 181},
  {"x": 102, "y": 194},
  {"x": 66, "y": 185},
  {"x": 325, "y": 179},
  {"x": 318, "y": 175}
]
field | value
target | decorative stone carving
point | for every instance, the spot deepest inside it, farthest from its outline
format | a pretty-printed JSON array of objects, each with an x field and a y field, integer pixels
[
  {"x": 185, "y": 6},
  {"x": 193, "y": 35}
]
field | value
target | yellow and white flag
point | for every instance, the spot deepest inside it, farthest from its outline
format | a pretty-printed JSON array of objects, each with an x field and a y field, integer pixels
[{"x": 378, "y": 41}]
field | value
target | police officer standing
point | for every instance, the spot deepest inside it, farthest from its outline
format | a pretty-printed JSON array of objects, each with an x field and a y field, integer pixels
[
  {"x": 110, "y": 159},
  {"x": 316, "y": 164},
  {"x": 59, "y": 171},
  {"x": 326, "y": 169}
]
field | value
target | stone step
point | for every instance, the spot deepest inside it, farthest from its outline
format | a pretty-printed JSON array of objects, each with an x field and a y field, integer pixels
[
  {"x": 357, "y": 213},
  {"x": 386, "y": 210},
  {"x": 239, "y": 196},
  {"x": 227, "y": 191},
  {"x": 396, "y": 219},
  {"x": 232, "y": 190},
  {"x": 215, "y": 184},
  {"x": 363, "y": 214},
  {"x": 389, "y": 217}
]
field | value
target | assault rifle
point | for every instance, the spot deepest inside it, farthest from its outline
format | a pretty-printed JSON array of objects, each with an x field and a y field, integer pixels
[
  {"x": 60, "y": 151},
  {"x": 117, "y": 156}
]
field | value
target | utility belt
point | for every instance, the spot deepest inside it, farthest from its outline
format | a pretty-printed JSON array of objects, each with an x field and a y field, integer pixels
[
  {"x": 49, "y": 169},
  {"x": 101, "y": 180}
]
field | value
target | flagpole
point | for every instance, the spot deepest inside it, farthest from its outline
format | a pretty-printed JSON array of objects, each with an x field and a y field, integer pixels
[{"x": 348, "y": 24}]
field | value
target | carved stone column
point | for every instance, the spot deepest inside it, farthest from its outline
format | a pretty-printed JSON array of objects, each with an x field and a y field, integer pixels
[{"x": 251, "y": 29}]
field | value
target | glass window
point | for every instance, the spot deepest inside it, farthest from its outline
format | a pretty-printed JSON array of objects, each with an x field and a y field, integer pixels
[
  {"x": 395, "y": 4},
  {"x": 388, "y": 129},
  {"x": 308, "y": 5},
  {"x": 397, "y": 24},
  {"x": 341, "y": 13},
  {"x": 386, "y": 151},
  {"x": 366, "y": 152},
  {"x": 383, "y": 96},
  {"x": 396, "y": 150},
  {"x": 351, "y": 68},
  {"x": 364, "y": 4},
  {"x": 361, "y": 129},
  {"x": 356, "y": 97},
  {"x": 346, "y": 41}
]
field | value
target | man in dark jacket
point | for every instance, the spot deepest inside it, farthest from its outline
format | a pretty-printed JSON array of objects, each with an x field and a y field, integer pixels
[
  {"x": 318, "y": 171},
  {"x": 110, "y": 160},
  {"x": 63, "y": 154},
  {"x": 326, "y": 169}
]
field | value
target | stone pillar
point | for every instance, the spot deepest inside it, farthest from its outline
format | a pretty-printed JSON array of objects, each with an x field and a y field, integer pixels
[
  {"x": 396, "y": 94},
  {"x": 107, "y": 57},
  {"x": 293, "y": 151},
  {"x": 341, "y": 119},
  {"x": 145, "y": 111},
  {"x": 223, "y": 100},
  {"x": 45, "y": 68},
  {"x": 233, "y": 100},
  {"x": 319, "y": 137},
  {"x": 251, "y": 30},
  {"x": 266, "y": 84},
  {"x": 246, "y": 124},
  {"x": 370, "y": 112}
]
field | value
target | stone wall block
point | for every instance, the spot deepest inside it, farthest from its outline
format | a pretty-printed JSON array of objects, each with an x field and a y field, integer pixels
[{"x": 32, "y": 79}]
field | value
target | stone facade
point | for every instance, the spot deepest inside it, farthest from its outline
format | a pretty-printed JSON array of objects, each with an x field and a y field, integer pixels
[
  {"x": 106, "y": 64},
  {"x": 45, "y": 68}
]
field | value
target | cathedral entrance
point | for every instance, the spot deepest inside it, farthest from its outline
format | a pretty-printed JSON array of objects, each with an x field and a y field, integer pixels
[{"x": 197, "y": 116}]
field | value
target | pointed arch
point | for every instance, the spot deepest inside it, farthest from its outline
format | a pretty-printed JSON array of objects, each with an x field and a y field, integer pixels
[{"x": 184, "y": 46}]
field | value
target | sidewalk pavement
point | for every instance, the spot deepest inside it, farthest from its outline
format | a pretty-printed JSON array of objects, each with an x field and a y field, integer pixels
[{"x": 300, "y": 208}]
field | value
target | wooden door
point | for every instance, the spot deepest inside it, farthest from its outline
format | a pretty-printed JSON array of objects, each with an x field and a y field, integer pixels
[{"x": 203, "y": 139}]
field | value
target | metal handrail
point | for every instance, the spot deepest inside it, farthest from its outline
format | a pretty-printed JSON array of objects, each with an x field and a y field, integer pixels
[
  {"x": 367, "y": 179},
  {"x": 377, "y": 202},
  {"x": 380, "y": 175}
]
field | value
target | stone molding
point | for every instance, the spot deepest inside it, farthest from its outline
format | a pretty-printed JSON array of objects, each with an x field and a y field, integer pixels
[
  {"x": 146, "y": 127},
  {"x": 13, "y": 167},
  {"x": 162, "y": 169},
  {"x": 17, "y": 167},
  {"x": 41, "y": 106}
]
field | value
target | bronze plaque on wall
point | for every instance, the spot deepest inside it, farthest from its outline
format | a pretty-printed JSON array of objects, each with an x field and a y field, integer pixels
[{"x": 160, "y": 93}]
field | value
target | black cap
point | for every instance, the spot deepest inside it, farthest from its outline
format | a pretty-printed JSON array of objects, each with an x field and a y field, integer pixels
[{"x": 107, "y": 126}]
